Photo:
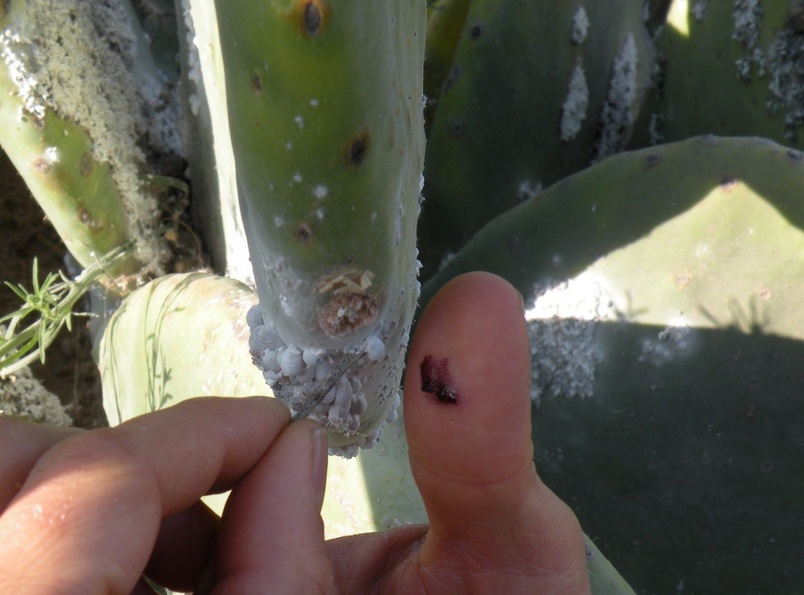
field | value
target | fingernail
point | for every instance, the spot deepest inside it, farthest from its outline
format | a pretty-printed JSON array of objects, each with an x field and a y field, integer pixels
[{"x": 319, "y": 475}]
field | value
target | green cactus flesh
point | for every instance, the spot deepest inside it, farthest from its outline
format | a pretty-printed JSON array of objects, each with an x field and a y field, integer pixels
[
  {"x": 445, "y": 23},
  {"x": 729, "y": 68},
  {"x": 177, "y": 337},
  {"x": 325, "y": 106},
  {"x": 666, "y": 289},
  {"x": 216, "y": 210},
  {"x": 75, "y": 119},
  {"x": 535, "y": 93}
]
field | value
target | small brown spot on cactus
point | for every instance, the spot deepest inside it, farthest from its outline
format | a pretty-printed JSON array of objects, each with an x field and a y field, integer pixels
[
  {"x": 256, "y": 84},
  {"x": 652, "y": 159},
  {"x": 304, "y": 234},
  {"x": 310, "y": 16},
  {"x": 348, "y": 312},
  {"x": 85, "y": 164},
  {"x": 683, "y": 279},
  {"x": 476, "y": 31},
  {"x": 41, "y": 165},
  {"x": 764, "y": 294},
  {"x": 357, "y": 147},
  {"x": 86, "y": 218}
]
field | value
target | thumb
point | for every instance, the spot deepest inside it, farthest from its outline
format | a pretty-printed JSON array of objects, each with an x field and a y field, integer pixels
[{"x": 467, "y": 418}]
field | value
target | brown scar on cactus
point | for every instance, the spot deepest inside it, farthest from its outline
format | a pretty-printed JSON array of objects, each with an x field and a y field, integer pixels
[
  {"x": 256, "y": 84},
  {"x": 304, "y": 234},
  {"x": 310, "y": 16},
  {"x": 357, "y": 147},
  {"x": 347, "y": 313},
  {"x": 352, "y": 305},
  {"x": 437, "y": 382}
]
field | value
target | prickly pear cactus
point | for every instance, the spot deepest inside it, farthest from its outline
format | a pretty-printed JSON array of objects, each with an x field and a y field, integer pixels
[
  {"x": 216, "y": 210},
  {"x": 325, "y": 106},
  {"x": 84, "y": 116},
  {"x": 179, "y": 336},
  {"x": 536, "y": 91},
  {"x": 665, "y": 289},
  {"x": 445, "y": 22},
  {"x": 728, "y": 68}
]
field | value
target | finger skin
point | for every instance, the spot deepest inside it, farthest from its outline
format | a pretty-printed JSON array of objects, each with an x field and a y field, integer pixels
[
  {"x": 21, "y": 445},
  {"x": 467, "y": 418},
  {"x": 183, "y": 548},
  {"x": 92, "y": 505},
  {"x": 271, "y": 531}
]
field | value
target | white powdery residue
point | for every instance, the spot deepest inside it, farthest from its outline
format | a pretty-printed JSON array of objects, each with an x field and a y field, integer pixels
[
  {"x": 320, "y": 192},
  {"x": 528, "y": 189},
  {"x": 580, "y": 26},
  {"x": 618, "y": 111},
  {"x": 656, "y": 129},
  {"x": 22, "y": 395},
  {"x": 83, "y": 60},
  {"x": 786, "y": 81},
  {"x": 193, "y": 64},
  {"x": 447, "y": 258},
  {"x": 674, "y": 341},
  {"x": 34, "y": 100},
  {"x": 562, "y": 322},
  {"x": 747, "y": 17},
  {"x": 573, "y": 112},
  {"x": 342, "y": 379},
  {"x": 699, "y": 9}
]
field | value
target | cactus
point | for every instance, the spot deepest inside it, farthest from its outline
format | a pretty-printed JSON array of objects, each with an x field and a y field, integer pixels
[
  {"x": 747, "y": 57},
  {"x": 666, "y": 335},
  {"x": 329, "y": 170},
  {"x": 150, "y": 358},
  {"x": 663, "y": 283},
  {"x": 74, "y": 118},
  {"x": 216, "y": 208},
  {"x": 567, "y": 94},
  {"x": 445, "y": 23}
]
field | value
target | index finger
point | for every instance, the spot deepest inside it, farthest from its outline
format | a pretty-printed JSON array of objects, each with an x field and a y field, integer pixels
[{"x": 87, "y": 517}]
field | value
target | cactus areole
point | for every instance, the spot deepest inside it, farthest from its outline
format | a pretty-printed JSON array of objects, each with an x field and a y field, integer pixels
[{"x": 325, "y": 105}]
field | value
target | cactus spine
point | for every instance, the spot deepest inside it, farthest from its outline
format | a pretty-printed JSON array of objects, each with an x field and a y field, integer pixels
[{"x": 325, "y": 107}]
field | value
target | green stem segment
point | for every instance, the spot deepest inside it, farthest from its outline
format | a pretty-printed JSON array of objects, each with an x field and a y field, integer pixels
[{"x": 325, "y": 108}]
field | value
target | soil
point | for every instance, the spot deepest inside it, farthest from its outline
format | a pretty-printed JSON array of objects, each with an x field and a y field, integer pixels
[{"x": 25, "y": 234}]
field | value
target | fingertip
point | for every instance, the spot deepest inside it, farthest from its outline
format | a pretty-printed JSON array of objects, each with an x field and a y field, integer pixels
[
  {"x": 271, "y": 531},
  {"x": 467, "y": 420},
  {"x": 467, "y": 390}
]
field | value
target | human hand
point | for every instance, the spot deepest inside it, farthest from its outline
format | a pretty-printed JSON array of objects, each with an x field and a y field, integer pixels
[{"x": 99, "y": 508}]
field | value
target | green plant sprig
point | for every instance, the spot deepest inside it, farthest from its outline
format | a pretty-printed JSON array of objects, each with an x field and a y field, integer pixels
[{"x": 51, "y": 302}]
